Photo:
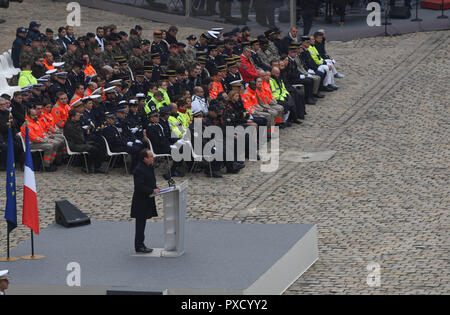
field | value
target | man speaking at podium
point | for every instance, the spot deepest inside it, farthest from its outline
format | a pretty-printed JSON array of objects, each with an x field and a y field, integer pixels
[{"x": 143, "y": 206}]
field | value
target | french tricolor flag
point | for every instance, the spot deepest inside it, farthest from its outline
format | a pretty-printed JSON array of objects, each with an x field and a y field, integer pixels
[{"x": 30, "y": 204}]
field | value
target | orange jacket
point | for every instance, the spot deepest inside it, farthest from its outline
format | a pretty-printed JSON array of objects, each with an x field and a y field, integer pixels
[
  {"x": 89, "y": 92},
  {"x": 45, "y": 124},
  {"x": 35, "y": 131},
  {"x": 47, "y": 66},
  {"x": 267, "y": 91},
  {"x": 249, "y": 100},
  {"x": 75, "y": 98},
  {"x": 216, "y": 90},
  {"x": 89, "y": 70},
  {"x": 60, "y": 113},
  {"x": 50, "y": 120}
]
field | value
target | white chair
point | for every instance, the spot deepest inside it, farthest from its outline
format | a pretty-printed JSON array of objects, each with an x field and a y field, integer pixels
[
  {"x": 4, "y": 68},
  {"x": 33, "y": 151},
  {"x": 73, "y": 154},
  {"x": 197, "y": 159},
  {"x": 156, "y": 156},
  {"x": 114, "y": 155},
  {"x": 5, "y": 88},
  {"x": 10, "y": 63}
]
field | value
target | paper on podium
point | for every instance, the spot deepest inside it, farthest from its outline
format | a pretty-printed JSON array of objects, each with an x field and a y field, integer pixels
[{"x": 164, "y": 191}]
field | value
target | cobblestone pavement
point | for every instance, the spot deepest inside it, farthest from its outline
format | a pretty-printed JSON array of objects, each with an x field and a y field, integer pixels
[{"x": 384, "y": 197}]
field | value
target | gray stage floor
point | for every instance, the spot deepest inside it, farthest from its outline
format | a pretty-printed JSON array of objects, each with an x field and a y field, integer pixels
[{"x": 220, "y": 256}]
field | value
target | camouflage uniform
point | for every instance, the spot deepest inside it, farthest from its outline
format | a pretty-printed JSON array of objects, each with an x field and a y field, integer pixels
[
  {"x": 191, "y": 52},
  {"x": 69, "y": 60},
  {"x": 97, "y": 62},
  {"x": 108, "y": 57},
  {"x": 265, "y": 56},
  {"x": 272, "y": 51},
  {"x": 174, "y": 61},
  {"x": 136, "y": 62},
  {"x": 54, "y": 48},
  {"x": 147, "y": 56},
  {"x": 26, "y": 56},
  {"x": 126, "y": 49},
  {"x": 134, "y": 42}
]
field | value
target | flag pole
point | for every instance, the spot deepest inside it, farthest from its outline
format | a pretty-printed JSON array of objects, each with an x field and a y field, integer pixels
[
  {"x": 33, "y": 256},
  {"x": 28, "y": 159},
  {"x": 8, "y": 231}
]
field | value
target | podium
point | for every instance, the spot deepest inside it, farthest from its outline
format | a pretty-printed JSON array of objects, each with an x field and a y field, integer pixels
[{"x": 175, "y": 202}]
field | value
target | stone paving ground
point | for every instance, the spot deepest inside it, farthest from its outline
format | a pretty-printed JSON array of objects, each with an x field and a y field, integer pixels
[{"x": 384, "y": 196}]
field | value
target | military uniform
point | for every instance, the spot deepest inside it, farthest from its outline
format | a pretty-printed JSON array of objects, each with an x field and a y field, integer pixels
[
  {"x": 97, "y": 62},
  {"x": 69, "y": 60},
  {"x": 126, "y": 48},
  {"x": 174, "y": 61},
  {"x": 119, "y": 143},
  {"x": 211, "y": 63},
  {"x": 191, "y": 53},
  {"x": 26, "y": 57},
  {"x": 266, "y": 56},
  {"x": 108, "y": 57},
  {"x": 259, "y": 64},
  {"x": 163, "y": 51},
  {"x": 136, "y": 62},
  {"x": 54, "y": 48}
]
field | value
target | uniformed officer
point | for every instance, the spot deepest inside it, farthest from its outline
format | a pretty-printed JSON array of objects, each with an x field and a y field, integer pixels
[
  {"x": 174, "y": 58},
  {"x": 202, "y": 45},
  {"x": 211, "y": 62},
  {"x": 119, "y": 142},
  {"x": 4, "y": 281},
  {"x": 108, "y": 54},
  {"x": 97, "y": 58},
  {"x": 160, "y": 142},
  {"x": 136, "y": 59},
  {"x": 191, "y": 51},
  {"x": 157, "y": 70},
  {"x": 159, "y": 47},
  {"x": 134, "y": 39},
  {"x": 136, "y": 119}
]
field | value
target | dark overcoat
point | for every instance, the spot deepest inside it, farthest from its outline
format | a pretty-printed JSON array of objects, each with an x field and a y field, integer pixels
[{"x": 144, "y": 206}]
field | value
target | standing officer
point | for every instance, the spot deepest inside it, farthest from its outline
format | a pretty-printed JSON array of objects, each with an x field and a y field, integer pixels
[
  {"x": 143, "y": 205},
  {"x": 4, "y": 281}
]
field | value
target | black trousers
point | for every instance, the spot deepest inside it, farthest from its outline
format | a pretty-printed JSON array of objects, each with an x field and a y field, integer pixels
[
  {"x": 308, "y": 83},
  {"x": 308, "y": 17},
  {"x": 139, "y": 237},
  {"x": 297, "y": 105}
]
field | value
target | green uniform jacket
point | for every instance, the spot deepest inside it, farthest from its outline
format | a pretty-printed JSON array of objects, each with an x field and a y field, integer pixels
[
  {"x": 176, "y": 127},
  {"x": 26, "y": 78},
  {"x": 315, "y": 55},
  {"x": 278, "y": 93}
]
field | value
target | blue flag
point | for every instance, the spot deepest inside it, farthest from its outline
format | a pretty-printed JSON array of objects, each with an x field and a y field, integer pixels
[{"x": 11, "y": 202}]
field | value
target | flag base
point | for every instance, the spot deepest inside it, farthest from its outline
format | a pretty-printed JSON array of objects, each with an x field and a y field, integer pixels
[
  {"x": 10, "y": 259},
  {"x": 35, "y": 257}
]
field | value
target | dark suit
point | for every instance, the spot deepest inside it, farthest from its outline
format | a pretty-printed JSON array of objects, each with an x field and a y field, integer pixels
[{"x": 143, "y": 206}]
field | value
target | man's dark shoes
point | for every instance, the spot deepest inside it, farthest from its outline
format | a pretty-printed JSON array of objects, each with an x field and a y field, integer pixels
[
  {"x": 319, "y": 95},
  {"x": 311, "y": 101},
  {"x": 99, "y": 171},
  {"x": 144, "y": 250},
  {"x": 51, "y": 169},
  {"x": 177, "y": 174}
]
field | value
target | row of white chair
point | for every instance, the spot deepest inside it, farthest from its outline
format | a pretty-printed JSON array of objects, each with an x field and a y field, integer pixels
[{"x": 7, "y": 71}]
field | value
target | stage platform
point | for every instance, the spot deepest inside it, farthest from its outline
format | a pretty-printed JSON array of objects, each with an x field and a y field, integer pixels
[{"x": 222, "y": 257}]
